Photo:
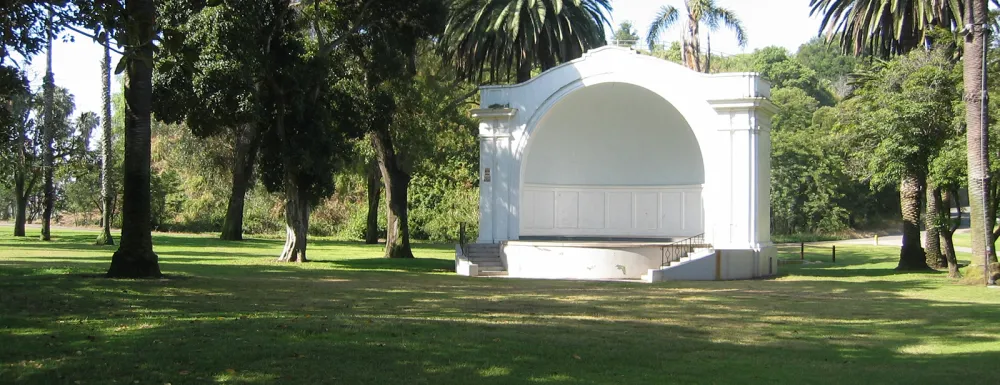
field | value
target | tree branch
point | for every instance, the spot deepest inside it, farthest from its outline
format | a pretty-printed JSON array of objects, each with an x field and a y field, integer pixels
[
  {"x": 358, "y": 26},
  {"x": 86, "y": 34}
]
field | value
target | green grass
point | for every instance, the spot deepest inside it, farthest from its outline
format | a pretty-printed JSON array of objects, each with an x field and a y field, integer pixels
[{"x": 228, "y": 314}]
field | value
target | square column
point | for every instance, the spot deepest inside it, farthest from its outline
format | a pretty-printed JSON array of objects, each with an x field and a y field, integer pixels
[
  {"x": 495, "y": 159},
  {"x": 745, "y": 134}
]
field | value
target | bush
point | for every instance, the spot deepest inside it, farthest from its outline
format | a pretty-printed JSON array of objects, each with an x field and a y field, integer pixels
[
  {"x": 263, "y": 213},
  {"x": 328, "y": 217},
  {"x": 357, "y": 222}
]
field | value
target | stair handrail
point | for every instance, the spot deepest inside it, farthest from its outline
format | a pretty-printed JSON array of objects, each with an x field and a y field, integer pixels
[
  {"x": 677, "y": 250},
  {"x": 461, "y": 238}
]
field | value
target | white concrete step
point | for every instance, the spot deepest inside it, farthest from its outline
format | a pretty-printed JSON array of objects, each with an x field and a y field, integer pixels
[
  {"x": 491, "y": 268},
  {"x": 482, "y": 254},
  {"x": 482, "y": 264}
]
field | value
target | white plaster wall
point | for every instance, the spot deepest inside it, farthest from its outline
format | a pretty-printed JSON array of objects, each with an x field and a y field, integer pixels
[
  {"x": 616, "y": 211},
  {"x": 614, "y": 134},
  {"x": 555, "y": 262}
]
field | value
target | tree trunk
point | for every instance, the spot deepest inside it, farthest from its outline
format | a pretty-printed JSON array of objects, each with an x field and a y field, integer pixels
[
  {"x": 296, "y": 220},
  {"x": 48, "y": 128},
  {"x": 524, "y": 69},
  {"x": 911, "y": 255},
  {"x": 107, "y": 205},
  {"x": 247, "y": 142},
  {"x": 948, "y": 232},
  {"x": 976, "y": 134},
  {"x": 397, "y": 183},
  {"x": 692, "y": 45},
  {"x": 20, "y": 203},
  {"x": 932, "y": 224},
  {"x": 708, "y": 52},
  {"x": 135, "y": 257},
  {"x": 374, "y": 193}
]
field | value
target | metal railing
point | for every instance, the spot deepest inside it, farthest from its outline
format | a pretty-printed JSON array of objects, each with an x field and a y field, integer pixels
[
  {"x": 461, "y": 237},
  {"x": 680, "y": 249}
]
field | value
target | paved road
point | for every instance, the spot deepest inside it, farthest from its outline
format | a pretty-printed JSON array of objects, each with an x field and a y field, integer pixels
[{"x": 892, "y": 240}]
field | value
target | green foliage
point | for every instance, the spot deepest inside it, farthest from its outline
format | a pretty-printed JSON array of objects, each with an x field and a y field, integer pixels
[
  {"x": 782, "y": 70},
  {"x": 829, "y": 63},
  {"x": 796, "y": 109},
  {"x": 902, "y": 112},
  {"x": 494, "y": 40},
  {"x": 885, "y": 27},
  {"x": 626, "y": 34}
]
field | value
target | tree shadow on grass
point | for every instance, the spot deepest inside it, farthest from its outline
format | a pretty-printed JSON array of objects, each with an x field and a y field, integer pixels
[
  {"x": 295, "y": 326},
  {"x": 415, "y": 265}
]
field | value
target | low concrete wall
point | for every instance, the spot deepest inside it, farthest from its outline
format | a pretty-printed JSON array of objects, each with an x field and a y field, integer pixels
[
  {"x": 580, "y": 262},
  {"x": 727, "y": 265},
  {"x": 463, "y": 266}
]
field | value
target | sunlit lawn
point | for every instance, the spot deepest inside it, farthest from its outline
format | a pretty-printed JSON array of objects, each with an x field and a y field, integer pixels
[{"x": 229, "y": 314}]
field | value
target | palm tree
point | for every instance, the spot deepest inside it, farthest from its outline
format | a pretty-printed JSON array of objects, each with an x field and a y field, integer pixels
[
  {"x": 488, "y": 40},
  {"x": 887, "y": 27},
  {"x": 135, "y": 257},
  {"x": 698, "y": 12},
  {"x": 107, "y": 202},
  {"x": 48, "y": 128}
]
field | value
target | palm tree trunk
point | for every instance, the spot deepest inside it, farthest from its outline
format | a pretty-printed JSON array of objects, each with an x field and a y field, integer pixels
[
  {"x": 397, "y": 182},
  {"x": 524, "y": 70},
  {"x": 692, "y": 45},
  {"x": 135, "y": 257},
  {"x": 976, "y": 135},
  {"x": 911, "y": 255},
  {"x": 107, "y": 204},
  {"x": 48, "y": 126},
  {"x": 247, "y": 142},
  {"x": 374, "y": 193},
  {"x": 932, "y": 224},
  {"x": 708, "y": 52}
]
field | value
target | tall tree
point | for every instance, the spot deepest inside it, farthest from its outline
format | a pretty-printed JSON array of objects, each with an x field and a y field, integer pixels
[
  {"x": 490, "y": 40},
  {"x": 900, "y": 115},
  {"x": 977, "y": 138},
  {"x": 699, "y": 12},
  {"x": 48, "y": 128},
  {"x": 625, "y": 35},
  {"x": 26, "y": 167},
  {"x": 883, "y": 28},
  {"x": 135, "y": 257},
  {"x": 107, "y": 200}
]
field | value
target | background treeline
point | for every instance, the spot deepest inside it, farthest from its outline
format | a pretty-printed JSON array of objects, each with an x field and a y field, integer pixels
[{"x": 823, "y": 179}]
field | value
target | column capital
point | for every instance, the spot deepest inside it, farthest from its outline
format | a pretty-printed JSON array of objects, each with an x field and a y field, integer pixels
[
  {"x": 501, "y": 114},
  {"x": 744, "y": 105}
]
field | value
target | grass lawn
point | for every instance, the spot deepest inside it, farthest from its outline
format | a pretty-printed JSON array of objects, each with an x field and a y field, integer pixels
[{"x": 228, "y": 314}]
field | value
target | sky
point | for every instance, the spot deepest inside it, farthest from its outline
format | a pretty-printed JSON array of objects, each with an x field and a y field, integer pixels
[{"x": 785, "y": 23}]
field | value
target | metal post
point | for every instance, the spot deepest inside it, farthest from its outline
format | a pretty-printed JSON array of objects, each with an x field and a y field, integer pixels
[
  {"x": 834, "y": 259},
  {"x": 802, "y": 251}
]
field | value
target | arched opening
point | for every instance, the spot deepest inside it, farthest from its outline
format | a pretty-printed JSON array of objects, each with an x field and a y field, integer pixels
[{"x": 612, "y": 160}]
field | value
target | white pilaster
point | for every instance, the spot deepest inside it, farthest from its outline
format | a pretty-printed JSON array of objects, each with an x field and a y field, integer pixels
[
  {"x": 494, "y": 172},
  {"x": 747, "y": 126}
]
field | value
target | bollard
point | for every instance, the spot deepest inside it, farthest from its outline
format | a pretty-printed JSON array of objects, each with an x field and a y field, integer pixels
[
  {"x": 834, "y": 259},
  {"x": 876, "y": 239},
  {"x": 802, "y": 251}
]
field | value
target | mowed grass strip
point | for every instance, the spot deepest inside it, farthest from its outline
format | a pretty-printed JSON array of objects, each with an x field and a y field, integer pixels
[{"x": 229, "y": 314}]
